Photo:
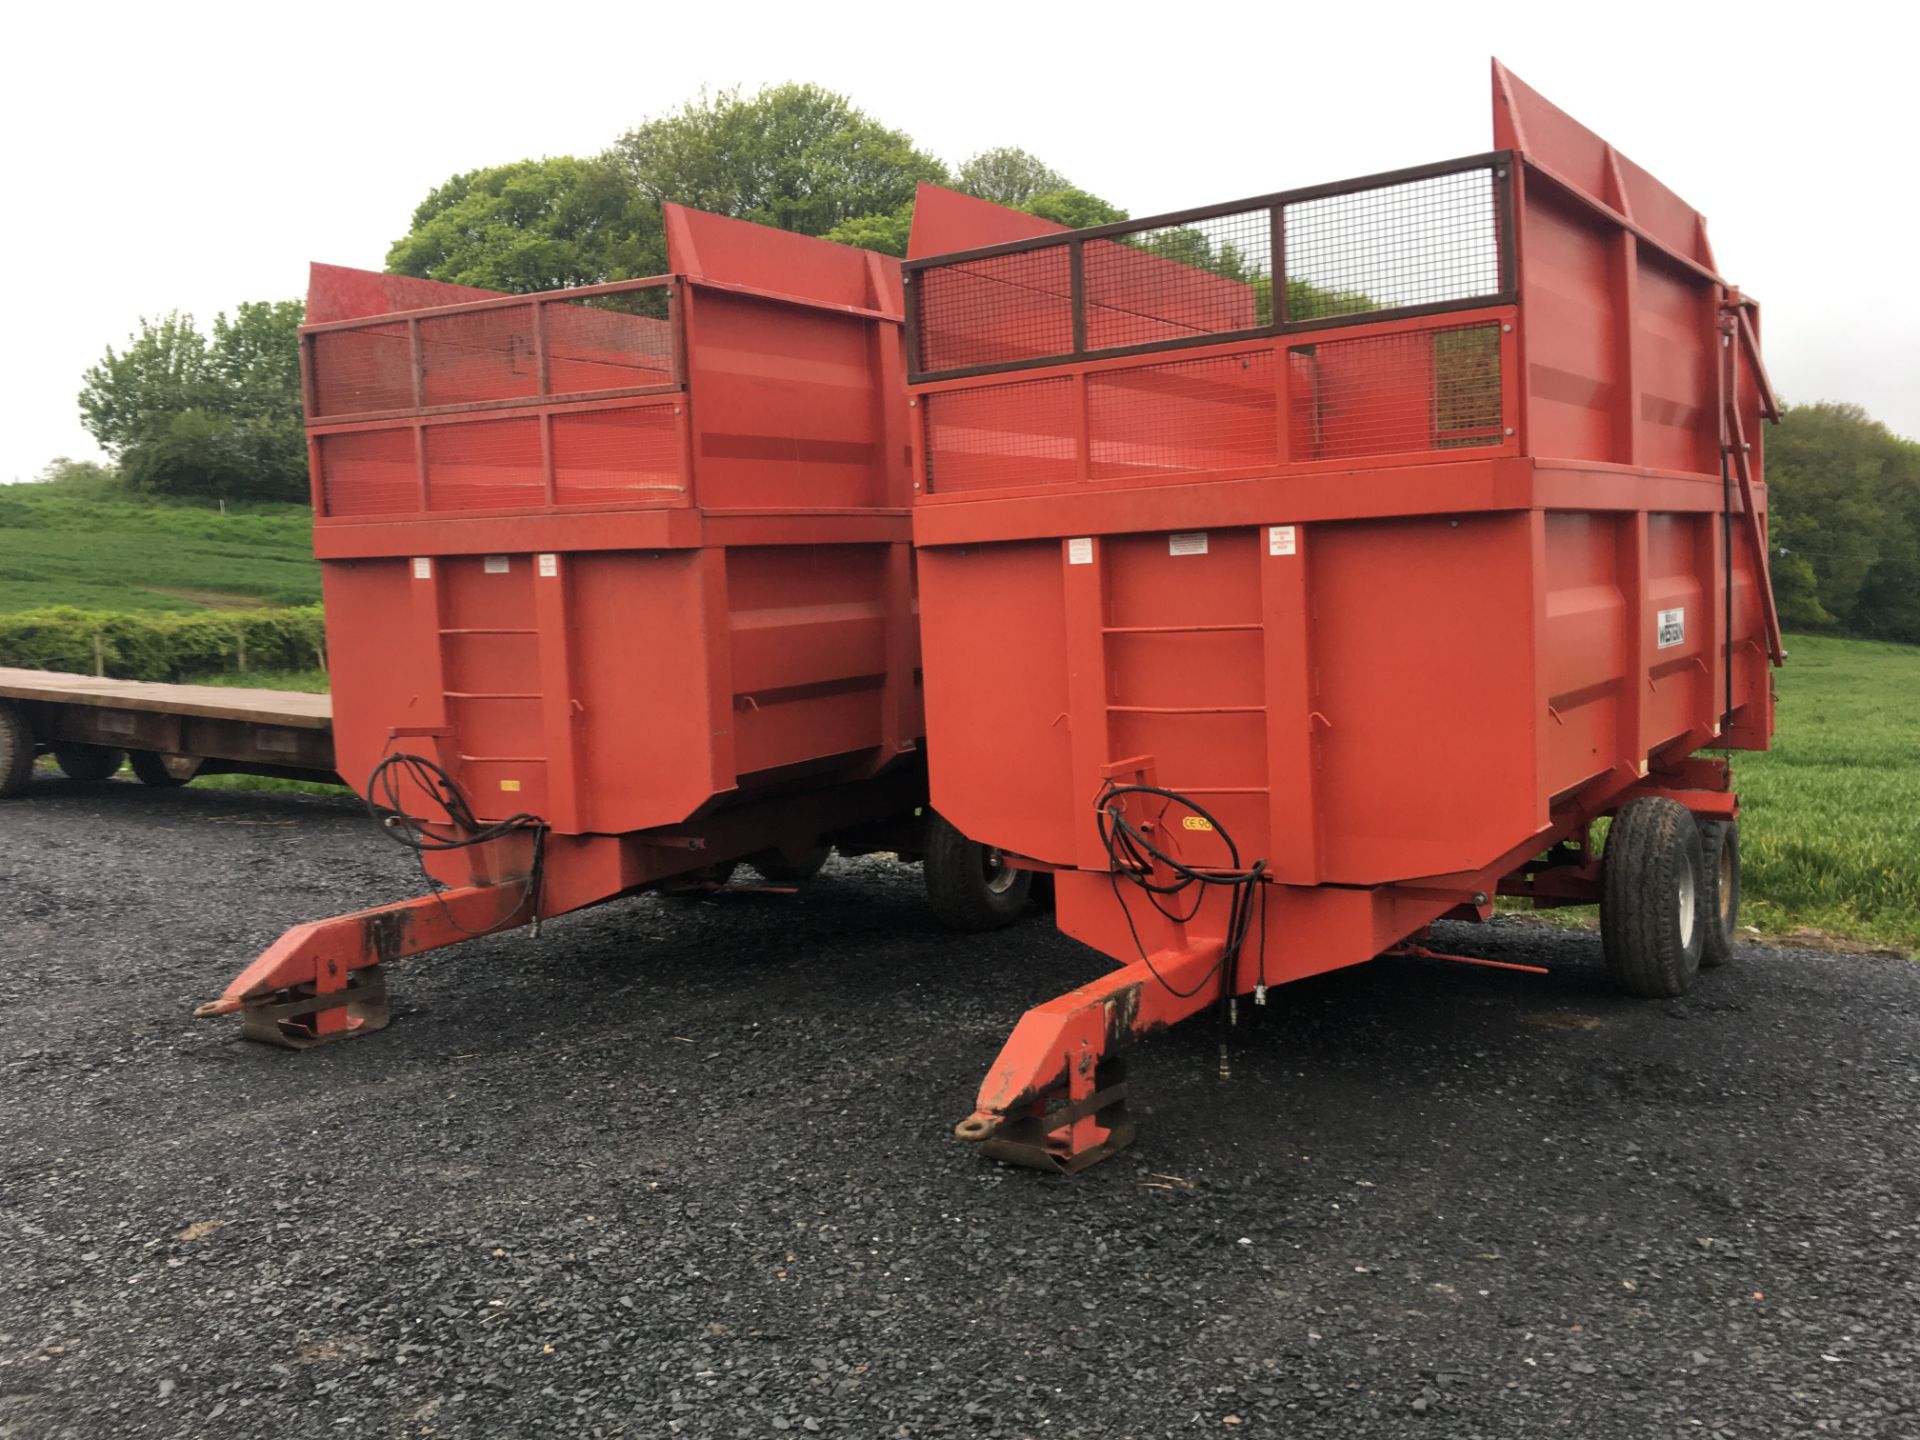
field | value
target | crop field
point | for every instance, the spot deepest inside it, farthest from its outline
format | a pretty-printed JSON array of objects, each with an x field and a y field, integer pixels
[
  {"x": 59, "y": 548},
  {"x": 1831, "y": 833}
]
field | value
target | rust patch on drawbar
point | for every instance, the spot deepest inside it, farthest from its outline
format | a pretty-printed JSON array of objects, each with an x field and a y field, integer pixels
[
  {"x": 1123, "y": 1008},
  {"x": 386, "y": 934}
]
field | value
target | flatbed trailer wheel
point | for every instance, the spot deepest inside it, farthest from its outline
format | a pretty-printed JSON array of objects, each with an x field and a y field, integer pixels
[
  {"x": 16, "y": 750},
  {"x": 968, "y": 884},
  {"x": 88, "y": 764},
  {"x": 151, "y": 768},
  {"x": 1653, "y": 916},
  {"x": 1720, "y": 868}
]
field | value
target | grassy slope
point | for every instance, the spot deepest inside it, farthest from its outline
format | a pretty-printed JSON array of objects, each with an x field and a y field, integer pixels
[{"x": 62, "y": 547}]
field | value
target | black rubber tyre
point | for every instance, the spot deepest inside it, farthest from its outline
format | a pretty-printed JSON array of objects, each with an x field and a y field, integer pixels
[
  {"x": 16, "y": 750},
  {"x": 968, "y": 886},
  {"x": 89, "y": 764},
  {"x": 1652, "y": 920},
  {"x": 152, "y": 770},
  {"x": 1720, "y": 892},
  {"x": 781, "y": 871}
]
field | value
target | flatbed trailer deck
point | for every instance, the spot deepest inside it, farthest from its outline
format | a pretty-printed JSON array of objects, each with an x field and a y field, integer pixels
[{"x": 171, "y": 733}]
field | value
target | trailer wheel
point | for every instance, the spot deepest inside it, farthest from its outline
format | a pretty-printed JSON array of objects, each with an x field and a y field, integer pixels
[
  {"x": 88, "y": 764},
  {"x": 151, "y": 769},
  {"x": 969, "y": 886},
  {"x": 1653, "y": 918},
  {"x": 1720, "y": 867},
  {"x": 776, "y": 867},
  {"x": 16, "y": 750}
]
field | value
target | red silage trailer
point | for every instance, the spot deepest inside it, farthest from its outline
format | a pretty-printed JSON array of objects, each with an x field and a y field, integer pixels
[
  {"x": 619, "y": 591},
  {"x": 1299, "y": 571}
]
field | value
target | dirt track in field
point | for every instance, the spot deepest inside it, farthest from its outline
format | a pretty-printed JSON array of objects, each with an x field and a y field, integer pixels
[{"x": 680, "y": 1168}]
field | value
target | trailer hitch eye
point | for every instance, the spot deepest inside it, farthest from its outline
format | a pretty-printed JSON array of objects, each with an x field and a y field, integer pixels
[{"x": 974, "y": 1127}]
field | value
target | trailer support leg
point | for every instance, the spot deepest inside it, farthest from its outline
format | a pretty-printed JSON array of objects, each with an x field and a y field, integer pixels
[
  {"x": 322, "y": 981},
  {"x": 1056, "y": 1098}
]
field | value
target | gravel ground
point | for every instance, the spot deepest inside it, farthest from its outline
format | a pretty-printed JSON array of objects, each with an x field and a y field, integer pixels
[{"x": 685, "y": 1168}]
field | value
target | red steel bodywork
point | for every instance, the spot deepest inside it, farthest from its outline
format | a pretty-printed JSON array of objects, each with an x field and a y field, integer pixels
[
  {"x": 633, "y": 559},
  {"x": 1390, "y": 593}
]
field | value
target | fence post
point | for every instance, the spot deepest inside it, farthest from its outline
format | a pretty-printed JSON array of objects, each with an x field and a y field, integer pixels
[
  {"x": 99, "y": 655},
  {"x": 240, "y": 649}
]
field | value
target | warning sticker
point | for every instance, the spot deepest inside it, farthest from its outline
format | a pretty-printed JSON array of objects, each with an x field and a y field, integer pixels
[
  {"x": 495, "y": 565},
  {"x": 509, "y": 784},
  {"x": 549, "y": 565},
  {"x": 1080, "y": 550},
  {"x": 1281, "y": 540},
  {"x": 1670, "y": 629},
  {"x": 422, "y": 568},
  {"x": 1188, "y": 542}
]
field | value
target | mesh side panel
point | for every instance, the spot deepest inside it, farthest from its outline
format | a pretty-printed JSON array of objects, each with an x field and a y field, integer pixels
[
  {"x": 609, "y": 455},
  {"x": 987, "y": 312},
  {"x": 1206, "y": 278},
  {"x": 479, "y": 355},
  {"x": 1001, "y": 435},
  {"x": 1418, "y": 243},
  {"x": 369, "y": 472},
  {"x": 356, "y": 372},
  {"x": 1386, "y": 394},
  {"x": 1216, "y": 414},
  {"x": 481, "y": 465},
  {"x": 610, "y": 342}
]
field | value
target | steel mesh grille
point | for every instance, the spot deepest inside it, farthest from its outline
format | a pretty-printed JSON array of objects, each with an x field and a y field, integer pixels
[
  {"x": 613, "y": 455},
  {"x": 1422, "y": 242},
  {"x": 479, "y": 355},
  {"x": 1003, "y": 435},
  {"x": 1389, "y": 394},
  {"x": 360, "y": 371},
  {"x": 1191, "y": 415},
  {"x": 609, "y": 342},
  {"x": 998, "y": 309},
  {"x": 485, "y": 465},
  {"x": 1209, "y": 277},
  {"x": 369, "y": 472}
]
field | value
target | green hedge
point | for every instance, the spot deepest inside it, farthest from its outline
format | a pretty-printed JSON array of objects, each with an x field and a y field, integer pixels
[{"x": 163, "y": 646}]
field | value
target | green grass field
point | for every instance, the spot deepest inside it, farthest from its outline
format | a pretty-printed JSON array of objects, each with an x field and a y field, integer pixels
[
  {"x": 58, "y": 547},
  {"x": 1831, "y": 829}
]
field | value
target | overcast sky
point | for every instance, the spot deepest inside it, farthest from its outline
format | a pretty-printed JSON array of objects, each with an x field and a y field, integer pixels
[{"x": 192, "y": 156}]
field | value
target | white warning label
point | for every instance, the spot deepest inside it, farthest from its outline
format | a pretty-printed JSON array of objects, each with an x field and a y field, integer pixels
[
  {"x": 1187, "y": 542},
  {"x": 422, "y": 568},
  {"x": 1080, "y": 550},
  {"x": 549, "y": 565},
  {"x": 495, "y": 565},
  {"x": 1670, "y": 629},
  {"x": 1281, "y": 540}
]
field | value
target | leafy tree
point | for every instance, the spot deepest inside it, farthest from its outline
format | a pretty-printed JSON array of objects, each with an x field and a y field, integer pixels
[
  {"x": 130, "y": 392},
  {"x": 1009, "y": 176},
  {"x": 1073, "y": 208},
  {"x": 885, "y": 233},
  {"x": 1844, "y": 498},
  {"x": 533, "y": 225},
  {"x": 217, "y": 417},
  {"x": 797, "y": 157},
  {"x": 254, "y": 358}
]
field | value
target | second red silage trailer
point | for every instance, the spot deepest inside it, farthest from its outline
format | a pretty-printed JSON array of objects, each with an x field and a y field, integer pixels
[{"x": 1300, "y": 571}]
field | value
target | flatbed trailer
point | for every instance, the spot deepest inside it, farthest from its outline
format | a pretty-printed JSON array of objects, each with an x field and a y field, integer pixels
[{"x": 170, "y": 733}]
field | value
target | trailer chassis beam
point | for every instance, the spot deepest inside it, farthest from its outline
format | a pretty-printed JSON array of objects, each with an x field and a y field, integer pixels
[
  {"x": 322, "y": 981},
  {"x": 1056, "y": 1098}
]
